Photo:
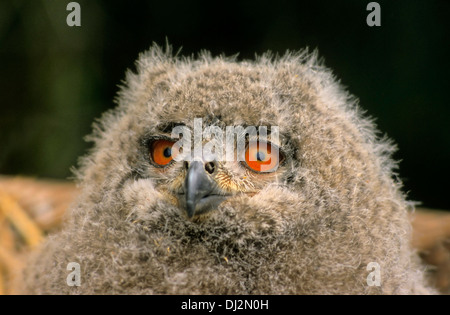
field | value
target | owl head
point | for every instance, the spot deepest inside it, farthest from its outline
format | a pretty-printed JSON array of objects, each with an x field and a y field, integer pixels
[{"x": 205, "y": 133}]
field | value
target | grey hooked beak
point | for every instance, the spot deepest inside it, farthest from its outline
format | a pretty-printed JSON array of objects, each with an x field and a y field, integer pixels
[
  {"x": 198, "y": 185},
  {"x": 201, "y": 192}
]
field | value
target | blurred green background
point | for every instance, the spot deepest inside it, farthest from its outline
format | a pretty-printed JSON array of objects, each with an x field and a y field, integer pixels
[{"x": 55, "y": 79}]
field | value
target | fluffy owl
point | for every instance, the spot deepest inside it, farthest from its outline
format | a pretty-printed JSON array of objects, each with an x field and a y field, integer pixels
[{"x": 325, "y": 216}]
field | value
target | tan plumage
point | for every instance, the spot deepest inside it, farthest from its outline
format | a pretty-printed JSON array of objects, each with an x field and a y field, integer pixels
[{"x": 313, "y": 226}]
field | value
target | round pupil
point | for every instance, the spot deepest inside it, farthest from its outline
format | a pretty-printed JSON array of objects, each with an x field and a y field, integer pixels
[
  {"x": 260, "y": 156},
  {"x": 167, "y": 152}
]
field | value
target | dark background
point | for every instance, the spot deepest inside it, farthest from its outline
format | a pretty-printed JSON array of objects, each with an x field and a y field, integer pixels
[{"x": 55, "y": 79}]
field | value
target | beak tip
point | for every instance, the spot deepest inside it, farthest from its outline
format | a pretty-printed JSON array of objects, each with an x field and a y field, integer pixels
[{"x": 190, "y": 209}]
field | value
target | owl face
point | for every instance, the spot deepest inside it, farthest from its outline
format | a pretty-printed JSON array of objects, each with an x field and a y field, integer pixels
[
  {"x": 199, "y": 177},
  {"x": 211, "y": 137}
]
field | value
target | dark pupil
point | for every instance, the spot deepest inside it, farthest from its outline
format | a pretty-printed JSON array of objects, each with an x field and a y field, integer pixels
[
  {"x": 260, "y": 156},
  {"x": 168, "y": 152}
]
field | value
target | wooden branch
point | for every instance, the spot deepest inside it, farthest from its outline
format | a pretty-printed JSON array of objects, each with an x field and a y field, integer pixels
[
  {"x": 8, "y": 260},
  {"x": 429, "y": 226},
  {"x": 431, "y": 237},
  {"x": 2, "y": 283},
  {"x": 21, "y": 221},
  {"x": 10, "y": 265},
  {"x": 6, "y": 234},
  {"x": 45, "y": 201}
]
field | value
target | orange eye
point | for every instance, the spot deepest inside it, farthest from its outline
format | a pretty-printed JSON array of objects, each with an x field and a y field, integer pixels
[
  {"x": 163, "y": 151},
  {"x": 262, "y": 157}
]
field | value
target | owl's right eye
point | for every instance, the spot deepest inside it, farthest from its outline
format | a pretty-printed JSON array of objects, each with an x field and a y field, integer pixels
[
  {"x": 264, "y": 158},
  {"x": 163, "y": 152}
]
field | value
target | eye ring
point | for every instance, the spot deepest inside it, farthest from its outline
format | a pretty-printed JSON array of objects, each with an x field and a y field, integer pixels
[
  {"x": 263, "y": 160},
  {"x": 162, "y": 152}
]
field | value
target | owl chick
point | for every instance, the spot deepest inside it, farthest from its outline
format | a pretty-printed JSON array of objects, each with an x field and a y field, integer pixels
[{"x": 324, "y": 214}]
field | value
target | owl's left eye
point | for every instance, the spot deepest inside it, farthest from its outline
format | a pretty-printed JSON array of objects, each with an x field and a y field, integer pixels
[
  {"x": 263, "y": 157},
  {"x": 163, "y": 152}
]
